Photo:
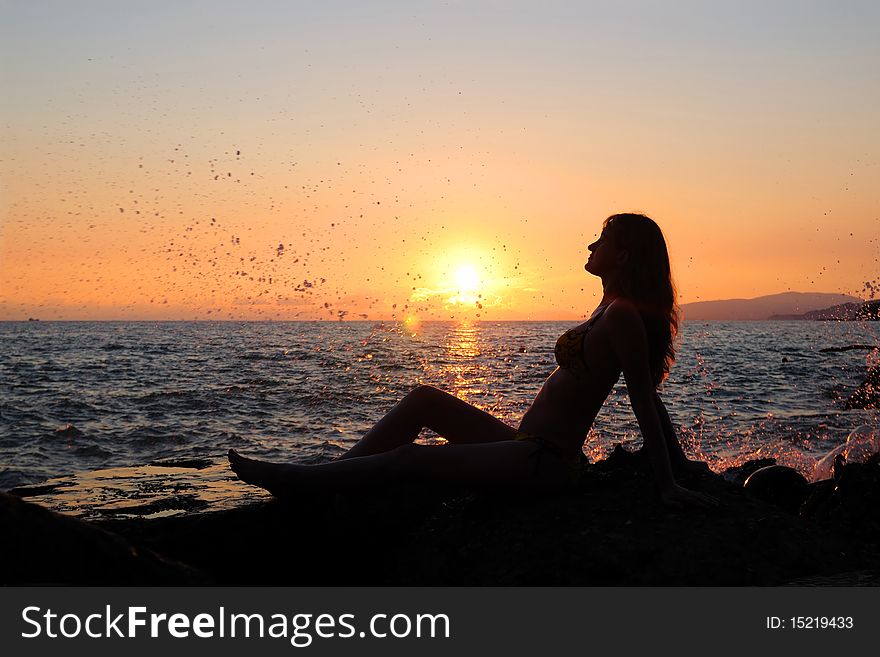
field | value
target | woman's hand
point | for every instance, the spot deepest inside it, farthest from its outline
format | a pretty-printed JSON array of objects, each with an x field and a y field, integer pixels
[{"x": 680, "y": 497}]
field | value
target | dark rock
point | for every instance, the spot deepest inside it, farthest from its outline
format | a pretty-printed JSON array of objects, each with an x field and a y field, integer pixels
[
  {"x": 849, "y": 504},
  {"x": 68, "y": 431},
  {"x": 612, "y": 530},
  {"x": 609, "y": 528},
  {"x": 740, "y": 473},
  {"x": 777, "y": 484},
  {"x": 195, "y": 464},
  {"x": 43, "y": 547},
  {"x": 35, "y": 491},
  {"x": 854, "y": 578},
  {"x": 851, "y": 347}
]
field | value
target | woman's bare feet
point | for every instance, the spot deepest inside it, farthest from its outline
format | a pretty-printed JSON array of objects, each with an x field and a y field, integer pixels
[{"x": 277, "y": 478}]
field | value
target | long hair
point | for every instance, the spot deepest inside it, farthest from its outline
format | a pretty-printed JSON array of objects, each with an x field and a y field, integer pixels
[{"x": 646, "y": 280}]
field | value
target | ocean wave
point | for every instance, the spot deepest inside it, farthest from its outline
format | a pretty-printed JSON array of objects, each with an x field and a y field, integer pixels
[
  {"x": 173, "y": 400},
  {"x": 68, "y": 405},
  {"x": 114, "y": 346},
  {"x": 276, "y": 356},
  {"x": 93, "y": 451},
  {"x": 262, "y": 382},
  {"x": 67, "y": 433}
]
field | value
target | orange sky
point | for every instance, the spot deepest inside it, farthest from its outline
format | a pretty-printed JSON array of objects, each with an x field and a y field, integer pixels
[{"x": 153, "y": 162}]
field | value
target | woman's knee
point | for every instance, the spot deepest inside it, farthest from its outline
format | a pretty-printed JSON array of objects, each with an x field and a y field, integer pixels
[{"x": 422, "y": 394}]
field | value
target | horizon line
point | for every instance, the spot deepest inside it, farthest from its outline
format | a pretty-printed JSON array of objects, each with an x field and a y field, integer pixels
[{"x": 344, "y": 321}]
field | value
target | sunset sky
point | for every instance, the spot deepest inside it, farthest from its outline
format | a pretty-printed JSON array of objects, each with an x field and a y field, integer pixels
[{"x": 384, "y": 160}]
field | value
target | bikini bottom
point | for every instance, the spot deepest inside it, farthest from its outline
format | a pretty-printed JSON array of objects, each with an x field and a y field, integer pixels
[{"x": 544, "y": 446}]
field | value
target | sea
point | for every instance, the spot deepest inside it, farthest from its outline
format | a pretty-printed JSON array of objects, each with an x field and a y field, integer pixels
[{"x": 77, "y": 397}]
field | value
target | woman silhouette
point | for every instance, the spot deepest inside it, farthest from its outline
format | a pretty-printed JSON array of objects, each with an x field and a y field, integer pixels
[{"x": 631, "y": 331}]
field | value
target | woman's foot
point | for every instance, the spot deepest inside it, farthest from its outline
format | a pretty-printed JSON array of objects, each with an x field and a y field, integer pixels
[{"x": 274, "y": 477}]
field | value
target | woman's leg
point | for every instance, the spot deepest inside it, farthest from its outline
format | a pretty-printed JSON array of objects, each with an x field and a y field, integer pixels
[
  {"x": 494, "y": 464},
  {"x": 445, "y": 414}
]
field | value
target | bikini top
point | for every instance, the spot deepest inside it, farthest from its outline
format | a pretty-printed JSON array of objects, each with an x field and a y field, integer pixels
[{"x": 569, "y": 349}]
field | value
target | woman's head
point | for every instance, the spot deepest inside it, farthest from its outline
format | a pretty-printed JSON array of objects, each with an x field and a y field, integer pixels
[{"x": 636, "y": 258}]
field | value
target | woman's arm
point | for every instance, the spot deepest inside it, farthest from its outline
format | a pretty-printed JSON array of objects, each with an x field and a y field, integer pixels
[
  {"x": 672, "y": 444},
  {"x": 630, "y": 345},
  {"x": 676, "y": 454}
]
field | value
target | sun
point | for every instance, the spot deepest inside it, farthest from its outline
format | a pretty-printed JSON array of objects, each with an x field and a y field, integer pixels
[
  {"x": 467, "y": 279},
  {"x": 462, "y": 283},
  {"x": 466, "y": 286}
]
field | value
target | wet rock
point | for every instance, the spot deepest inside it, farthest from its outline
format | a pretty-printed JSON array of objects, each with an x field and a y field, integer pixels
[
  {"x": 851, "y": 347},
  {"x": 740, "y": 473},
  {"x": 777, "y": 484},
  {"x": 848, "y": 504},
  {"x": 68, "y": 431},
  {"x": 194, "y": 463},
  {"x": 40, "y": 489}
]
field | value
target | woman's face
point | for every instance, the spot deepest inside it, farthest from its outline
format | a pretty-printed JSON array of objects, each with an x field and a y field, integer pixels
[{"x": 604, "y": 256}]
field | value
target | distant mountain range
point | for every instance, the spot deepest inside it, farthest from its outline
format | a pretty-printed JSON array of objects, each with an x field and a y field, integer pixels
[
  {"x": 848, "y": 312},
  {"x": 787, "y": 305}
]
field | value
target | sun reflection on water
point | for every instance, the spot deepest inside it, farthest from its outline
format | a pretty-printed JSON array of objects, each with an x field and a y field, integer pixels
[
  {"x": 463, "y": 368},
  {"x": 462, "y": 342},
  {"x": 465, "y": 371}
]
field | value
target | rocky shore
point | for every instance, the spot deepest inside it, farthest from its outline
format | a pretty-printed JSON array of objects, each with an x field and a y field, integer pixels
[{"x": 610, "y": 529}]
